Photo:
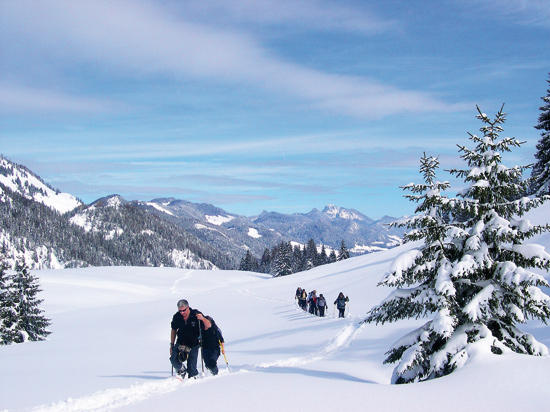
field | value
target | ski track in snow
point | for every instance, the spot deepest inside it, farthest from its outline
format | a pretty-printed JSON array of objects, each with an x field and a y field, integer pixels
[
  {"x": 340, "y": 341},
  {"x": 175, "y": 287},
  {"x": 110, "y": 399}
]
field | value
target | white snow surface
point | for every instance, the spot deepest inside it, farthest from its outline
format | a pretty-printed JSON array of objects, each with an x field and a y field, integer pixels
[
  {"x": 110, "y": 341},
  {"x": 159, "y": 207},
  {"x": 254, "y": 233},
  {"x": 219, "y": 219},
  {"x": 62, "y": 202}
]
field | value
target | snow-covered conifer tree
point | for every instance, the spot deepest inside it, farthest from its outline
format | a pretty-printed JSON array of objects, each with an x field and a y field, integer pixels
[
  {"x": 344, "y": 252},
  {"x": 5, "y": 315},
  {"x": 472, "y": 271},
  {"x": 27, "y": 322},
  {"x": 312, "y": 256},
  {"x": 541, "y": 168},
  {"x": 249, "y": 263},
  {"x": 281, "y": 265}
]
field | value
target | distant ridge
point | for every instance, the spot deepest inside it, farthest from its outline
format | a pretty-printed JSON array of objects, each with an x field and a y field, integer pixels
[{"x": 163, "y": 231}]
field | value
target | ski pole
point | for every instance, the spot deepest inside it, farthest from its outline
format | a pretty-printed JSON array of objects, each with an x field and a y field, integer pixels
[
  {"x": 225, "y": 357},
  {"x": 200, "y": 343},
  {"x": 334, "y": 310}
]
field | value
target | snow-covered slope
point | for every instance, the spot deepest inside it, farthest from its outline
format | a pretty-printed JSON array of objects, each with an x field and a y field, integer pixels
[
  {"x": 21, "y": 180},
  {"x": 110, "y": 342}
]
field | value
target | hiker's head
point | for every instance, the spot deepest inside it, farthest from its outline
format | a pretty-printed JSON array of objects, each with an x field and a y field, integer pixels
[{"x": 183, "y": 305}]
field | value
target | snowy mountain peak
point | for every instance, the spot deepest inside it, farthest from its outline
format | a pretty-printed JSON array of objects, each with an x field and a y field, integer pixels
[
  {"x": 21, "y": 180},
  {"x": 109, "y": 201},
  {"x": 334, "y": 212}
]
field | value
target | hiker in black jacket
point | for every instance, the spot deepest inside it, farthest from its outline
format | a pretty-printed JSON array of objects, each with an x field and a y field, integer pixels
[
  {"x": 187, "y": 325},
  {"x": 212, "y": 342},
  {"x": 340, "y": 303}
]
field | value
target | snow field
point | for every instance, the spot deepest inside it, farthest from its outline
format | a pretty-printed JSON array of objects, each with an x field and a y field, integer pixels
[{"x": 110, "y": 345}]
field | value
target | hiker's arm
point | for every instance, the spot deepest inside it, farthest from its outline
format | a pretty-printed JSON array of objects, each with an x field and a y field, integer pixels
[{"x": 206, "y": 322}]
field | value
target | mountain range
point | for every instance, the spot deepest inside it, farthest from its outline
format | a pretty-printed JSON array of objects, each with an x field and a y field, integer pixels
[{"x": 51, "y": 229}]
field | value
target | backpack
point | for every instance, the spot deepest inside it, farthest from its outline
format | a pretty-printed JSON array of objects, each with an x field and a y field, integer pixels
[
  {"x": 217, "y": 331},
  {"x": 341, "y": 302},
  {"x": 321, "y": 302}
]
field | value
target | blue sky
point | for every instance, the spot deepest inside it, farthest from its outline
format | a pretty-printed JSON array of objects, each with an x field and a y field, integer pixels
[{"x": 255, "y": 105}]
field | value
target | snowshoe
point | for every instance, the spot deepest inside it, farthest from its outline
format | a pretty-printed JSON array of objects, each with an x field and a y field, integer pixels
[{"x": 181, "y": 373}]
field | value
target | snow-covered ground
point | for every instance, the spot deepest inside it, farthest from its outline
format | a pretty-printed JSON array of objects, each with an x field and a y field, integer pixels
[{"x": 110, "y": 343}]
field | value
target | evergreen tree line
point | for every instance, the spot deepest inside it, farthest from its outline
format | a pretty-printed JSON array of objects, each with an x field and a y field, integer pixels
[
  {"x": 21, "y": 318},
  {"x": 285, "y": 259}
]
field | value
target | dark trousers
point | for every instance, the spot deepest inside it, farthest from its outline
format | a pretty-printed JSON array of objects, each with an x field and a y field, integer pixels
[
  {"x": 342, "y": 312},
  {"x": 321, "y": 311},
  {"x": 210, "y": 357}
]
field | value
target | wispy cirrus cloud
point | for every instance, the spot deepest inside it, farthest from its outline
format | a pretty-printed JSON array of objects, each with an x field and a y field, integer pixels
[
  {"x": 141, "y": 39},
  {"x": 19, "y": 98}
]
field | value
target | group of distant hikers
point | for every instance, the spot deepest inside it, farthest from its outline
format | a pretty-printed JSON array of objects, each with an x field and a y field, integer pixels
[
  {"x": 191, "y": 331},
  {"x": 318, "y": 304}
]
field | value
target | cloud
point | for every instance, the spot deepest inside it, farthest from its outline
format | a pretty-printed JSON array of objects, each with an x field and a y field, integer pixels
[
  {"x": 17, "y": 99},
  {"x": 140, "y": 39}
]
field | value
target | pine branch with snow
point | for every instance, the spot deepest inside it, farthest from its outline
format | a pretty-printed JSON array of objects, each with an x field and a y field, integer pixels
[{"x": 541, "y": 169}]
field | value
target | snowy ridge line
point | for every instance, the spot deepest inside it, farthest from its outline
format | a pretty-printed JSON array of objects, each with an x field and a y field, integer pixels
[{"x": 340, "y": 341}]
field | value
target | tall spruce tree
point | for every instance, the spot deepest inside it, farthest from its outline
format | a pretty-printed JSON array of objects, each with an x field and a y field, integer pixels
[
  {"x": 312, "y": 256},
  {"x": 472, "y": 271},
  {"x": 541, "y": 168}
]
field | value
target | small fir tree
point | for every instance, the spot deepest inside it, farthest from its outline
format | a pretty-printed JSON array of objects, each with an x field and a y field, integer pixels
[
  {"x": 344, "y": 252},
  {"x": 27, "y": 322},
  {"x": 541, "y": 169},
  {"x": 332, "y": 257},
  {"x": 249, "y": 263},
  {"x": 472, "y": 272},
  {"x": 6, "y": 318}
]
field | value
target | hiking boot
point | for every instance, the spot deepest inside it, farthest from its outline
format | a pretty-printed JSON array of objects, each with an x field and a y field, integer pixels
[{"x": 181, "y": 372}]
